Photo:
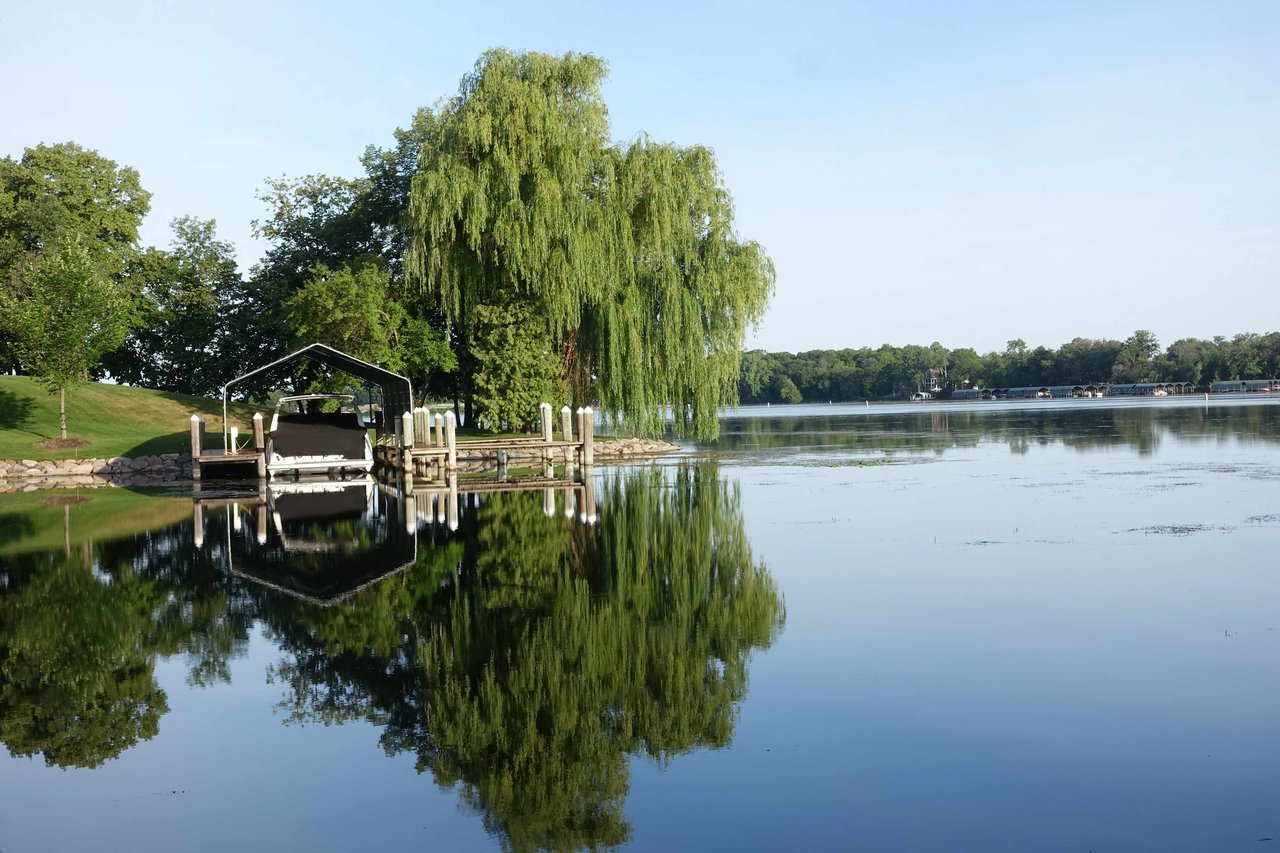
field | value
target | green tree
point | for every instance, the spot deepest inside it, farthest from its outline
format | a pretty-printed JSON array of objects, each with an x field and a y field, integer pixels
[
  {"x": 349, "y": 309},
  {"x": 1136, "y": 360},
  {"x": 62, "y": 189},
  {"x": 966, "y": 366},
  {"x": 181, "y": 340},
  {"x": 336, "y": 223},
  {"x": 58, "y": 189},
  {"x": 626, "y": 257},
  {"x": 786, "y": 390},
  {"x": 65, "y": 317},
  {"x": 516, "y": 369}
]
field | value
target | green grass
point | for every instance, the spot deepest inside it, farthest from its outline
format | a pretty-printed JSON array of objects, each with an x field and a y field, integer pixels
[
  {"x": 33, "y": 521},
  {"x": 114, "y": 419}
]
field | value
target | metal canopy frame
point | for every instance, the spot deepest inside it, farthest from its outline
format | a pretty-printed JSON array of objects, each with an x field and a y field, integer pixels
[{"x": 397, "y": 392}]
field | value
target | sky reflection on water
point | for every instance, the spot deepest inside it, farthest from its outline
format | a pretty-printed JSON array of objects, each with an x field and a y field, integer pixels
[{"x": 1050, "y": 629}]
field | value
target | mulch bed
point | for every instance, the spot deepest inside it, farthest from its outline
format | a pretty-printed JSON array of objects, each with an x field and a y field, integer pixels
[{"x": 62, "y": 443}]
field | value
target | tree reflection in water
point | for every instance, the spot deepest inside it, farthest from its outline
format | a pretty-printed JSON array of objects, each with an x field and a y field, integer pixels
[
  {"x": 530, "y": 657},
  {"x": 524, "y": 658}
]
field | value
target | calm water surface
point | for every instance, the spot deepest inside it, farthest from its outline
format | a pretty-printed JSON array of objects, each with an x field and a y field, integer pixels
[{"x": 1041, "y": 626}]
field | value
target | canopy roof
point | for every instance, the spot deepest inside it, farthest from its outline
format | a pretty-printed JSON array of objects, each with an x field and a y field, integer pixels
[{"x": 397, "y": 393}]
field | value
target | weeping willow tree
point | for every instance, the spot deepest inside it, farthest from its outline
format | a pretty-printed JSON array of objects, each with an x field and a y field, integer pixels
[{"x": 625, "y": 255}]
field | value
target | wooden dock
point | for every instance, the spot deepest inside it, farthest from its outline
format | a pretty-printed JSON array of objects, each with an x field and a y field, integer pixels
[
  {"x": 254, "y": 454},
  {"x": 427, "y": 445},
  {"x": 424, "y": 444}
]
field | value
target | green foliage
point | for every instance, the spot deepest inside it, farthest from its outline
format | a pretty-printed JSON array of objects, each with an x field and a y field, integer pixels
[
  {"x": 349, "y": 309},
  {"x": 553, "y": 653},
  {"x": 59, "y": 189},
  {"x": 76, "y": 684},
  {"x": 516, "y": 368},
  {"x": 54, "y": 192},
  {"x": 892, "y": 372},
  {"x": 352, "y": 231},
  {"x": 787, "y": 391},
  {"x": 67, "y": 315},
  {"x": 1136, "y": 360},
  {"x": 626, "y": 258},
  {"x": 182, "y": 342}
]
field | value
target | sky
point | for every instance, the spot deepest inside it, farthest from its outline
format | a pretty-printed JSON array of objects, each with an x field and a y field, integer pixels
[{"x": 960, "y": 172}]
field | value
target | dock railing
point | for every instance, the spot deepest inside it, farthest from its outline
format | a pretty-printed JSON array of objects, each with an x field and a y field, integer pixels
[{"x": 426, "y": 443}]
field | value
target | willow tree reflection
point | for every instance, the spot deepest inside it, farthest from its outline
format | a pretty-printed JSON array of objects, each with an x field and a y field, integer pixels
[{"x": 528, "y": 660}]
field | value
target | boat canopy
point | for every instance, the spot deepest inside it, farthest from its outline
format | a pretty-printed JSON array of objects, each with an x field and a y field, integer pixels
[{"x": 396, "y": 391}]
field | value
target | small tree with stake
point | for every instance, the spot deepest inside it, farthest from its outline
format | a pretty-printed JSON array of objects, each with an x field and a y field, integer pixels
[{"x": 65, "y": 315}]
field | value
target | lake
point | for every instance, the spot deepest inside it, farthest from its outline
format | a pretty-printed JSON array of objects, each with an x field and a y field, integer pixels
[{"x": 1029, "y": 626}]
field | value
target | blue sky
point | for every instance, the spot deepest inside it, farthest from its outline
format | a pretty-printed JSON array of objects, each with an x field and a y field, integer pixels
[{"x": 960, "y": 172}]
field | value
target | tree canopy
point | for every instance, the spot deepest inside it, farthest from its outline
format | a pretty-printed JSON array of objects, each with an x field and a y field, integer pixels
[
  {"x": 625, "y": 257},
  {"x": 65, "y": 317}
]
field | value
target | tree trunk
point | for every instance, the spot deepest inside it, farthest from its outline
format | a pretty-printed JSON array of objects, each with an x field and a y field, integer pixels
[{"x": 62, "y": 411}]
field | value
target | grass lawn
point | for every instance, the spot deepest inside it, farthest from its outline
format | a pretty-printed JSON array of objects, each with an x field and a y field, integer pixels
[{"x": 114, "y": 419}]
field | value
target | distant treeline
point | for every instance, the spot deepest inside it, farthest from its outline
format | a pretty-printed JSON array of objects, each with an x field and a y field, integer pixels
[{"x": 890, "y": 372}]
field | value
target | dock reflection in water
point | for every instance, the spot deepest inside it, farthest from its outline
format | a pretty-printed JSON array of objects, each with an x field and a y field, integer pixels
[{"x": 522, "y": 646}]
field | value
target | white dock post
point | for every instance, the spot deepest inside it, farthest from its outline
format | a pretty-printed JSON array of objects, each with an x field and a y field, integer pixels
[
  {"x": 451, "y": 440},
  {"x": 260, "y": 444},
  {"x": 197, "y": 444},
  {"x": 544, "y": 416},
  {"x": 588, "y": 437},
  {"x": 406, "y": 442},
  {"x": 235, "y": 439},
  {"x": 566, "y": 423},
  {"x": 260, "y": 524},
  {"x": 548, "y": 502},
  {"x": 439, "y": 430},
  {"x": 582, "y": 437}
]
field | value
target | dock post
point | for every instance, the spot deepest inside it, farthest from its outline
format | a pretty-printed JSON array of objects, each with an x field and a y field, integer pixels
[
  {"x": 235, "y": 440},
  {"x": 439, "y": 430},
  {"x": 420, "y": 432},
  {"x": 406, "y": 442},
  {"x": 451, "y": 441},
  {"x": 544, "y": 417},
  {"x": 548, "y": 502},
  {"x": 197, "y": 444},
  {"x": 260, "y": 444},
  {"x": 588, "y": 437},
  {"x": 566, "y": 423},
  {"x": 582, "y": 437}
]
